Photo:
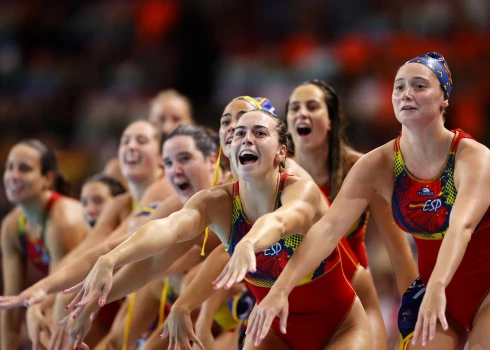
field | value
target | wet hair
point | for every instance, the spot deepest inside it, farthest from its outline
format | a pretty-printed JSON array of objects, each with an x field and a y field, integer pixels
[
  {"x": 115, "y": 187},
  {"x": 49, "y": 163},
  {"x": 337, "y": 140},
  {"x": 283, "y": 133},
  {"x": 206, "y": 140}
]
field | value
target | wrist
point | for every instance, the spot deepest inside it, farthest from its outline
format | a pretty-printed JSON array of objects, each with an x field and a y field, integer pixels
[{"x": 108, "y": 260}]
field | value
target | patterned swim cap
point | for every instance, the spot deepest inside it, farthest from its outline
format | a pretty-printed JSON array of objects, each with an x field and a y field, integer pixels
[
  {"x": 438, "y": 65},
  {"x": 259, "y": 103}
]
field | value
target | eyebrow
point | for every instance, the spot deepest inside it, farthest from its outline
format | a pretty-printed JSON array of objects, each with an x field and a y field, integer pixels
[
  {"x": 253, "y": 127},
  {"x": 413, "y": 78}
]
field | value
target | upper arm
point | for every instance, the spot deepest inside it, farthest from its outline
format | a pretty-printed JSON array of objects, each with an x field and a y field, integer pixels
[
  {"x": 472, "y": 180},
  {"x": 13, "y": 261},
  {"x": 68, "y": 229},
  {"x": 357, "y": 191}
]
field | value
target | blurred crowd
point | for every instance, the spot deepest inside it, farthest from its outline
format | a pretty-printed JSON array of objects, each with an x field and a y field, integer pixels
[{"x": 74, "y": 73}]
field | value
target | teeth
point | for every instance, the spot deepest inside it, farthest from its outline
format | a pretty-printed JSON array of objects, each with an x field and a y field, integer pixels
[
  {"x": 242, "y": 153},
  {"x": 301, "y": 125}
]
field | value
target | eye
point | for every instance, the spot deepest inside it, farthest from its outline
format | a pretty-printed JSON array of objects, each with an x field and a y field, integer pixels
[
  {"x": 420, "y": 86},
  {"x": 260, "y": 133},
  {"x": 294, "y": 108},
  {"x": 167, "y": 163},
  {"x": 225, "y": 122},
  {"x": 239, "y": 133},
  {"x": 142, "y": 140},
  {"x": 398, "y": 88}
]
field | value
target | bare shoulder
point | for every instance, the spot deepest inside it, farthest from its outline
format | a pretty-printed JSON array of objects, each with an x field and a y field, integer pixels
[
  {"x": 299, "y": 188},
  {"x": 121, "y": 201},
  {"x": 295, "y": 169},
  {"x": 66, "y": 211},
  {"x": 10, "y": 222},
  {"x": 352, "y": 156},
  {"x": 472, "y": 150},
  {"x": 157, "y": 191}
]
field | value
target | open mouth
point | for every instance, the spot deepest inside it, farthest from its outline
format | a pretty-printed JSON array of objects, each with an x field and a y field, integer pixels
[
  {"x": 228, "y": 140},
  {"x": 183, "y": 186},
  {"x": 408, "y": 108},
  {"x": 132, "y": 158},
  {"x": 303, "y": 130},
  {"x": 247, "y": 158}
]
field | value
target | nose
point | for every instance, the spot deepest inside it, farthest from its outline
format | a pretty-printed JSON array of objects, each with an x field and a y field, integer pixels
[
  {"x": 248, "y": 138},
  {"x": 231, "y": 127},
  {"x": 176, "y": 169},
  {"x": 91, "y": 208},
  {"x": 14, "y": 174},
  {"x": 407, "y": 93}
]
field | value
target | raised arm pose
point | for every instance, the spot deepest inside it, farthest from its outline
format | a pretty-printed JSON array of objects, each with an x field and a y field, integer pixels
[
  {"x": 44, "y": 226},
  {"x": 437, "y": 183}
]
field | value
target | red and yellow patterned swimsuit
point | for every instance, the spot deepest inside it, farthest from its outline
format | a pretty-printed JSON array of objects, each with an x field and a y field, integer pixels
[
  {"x": 423, "y": 208},
  {"x": 318, "y": 305}
]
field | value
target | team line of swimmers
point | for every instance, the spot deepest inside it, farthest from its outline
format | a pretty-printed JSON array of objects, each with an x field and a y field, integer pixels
[{"x": 253, "y": 238}]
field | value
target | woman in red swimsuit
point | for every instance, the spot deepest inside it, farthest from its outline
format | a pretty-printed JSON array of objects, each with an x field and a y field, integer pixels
[
  {"x": 263, "y": 199},
  {"x": 42, "y": 228},
  {"x": 437, "y": 183}
]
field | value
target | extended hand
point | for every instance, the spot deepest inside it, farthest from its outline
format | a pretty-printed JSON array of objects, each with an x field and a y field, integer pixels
[
  {"x": 98, "y": 283},
  {"x": 241, "y": 262},
  {"x": 260, "y": 320},
  {"x": 433, "y": 307}
]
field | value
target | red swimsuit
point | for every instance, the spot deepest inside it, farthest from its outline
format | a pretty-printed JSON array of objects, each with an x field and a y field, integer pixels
[
  {"x": 318, "y": 305},
  {"x": 422, "y": 208},
  {"x": 36, "y": 249}
]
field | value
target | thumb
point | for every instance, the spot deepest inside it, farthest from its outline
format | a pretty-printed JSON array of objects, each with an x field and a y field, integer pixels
[{"x": 284, "y": 318}]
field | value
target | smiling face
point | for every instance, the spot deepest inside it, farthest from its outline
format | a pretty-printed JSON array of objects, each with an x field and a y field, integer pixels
[
  {"x": 139, "y": 152},
  {"x": 22, "y": 178},
  {"x": 255, "y": 149},
  {"x": 308, "y": 118},
  {"x": 186, "y": 167},
  {"x": 417, "y": 95},
  {"x": 232, "y": 113},
  {"x": 94, "y": 195}
]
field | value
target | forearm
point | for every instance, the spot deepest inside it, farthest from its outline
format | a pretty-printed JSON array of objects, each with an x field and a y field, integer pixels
[
  {"x": 201, "y": 287},
  {"x": 266, "y": 231},
  {"x": 10, "y": 331},
  {"x": 134, "y": 276},
  {"x": 450, "y": 255},
  {"x": 149, "y": 240},
  {"x": 73, "y": 272}
]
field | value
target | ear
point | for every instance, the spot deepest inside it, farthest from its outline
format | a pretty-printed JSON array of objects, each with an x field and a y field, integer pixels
[
  {"x": 212, "y": 162},
  {"x": 281, "y": 155},
  {"x": 445, "y": 104},
  {"x": 49, "y": 178}
]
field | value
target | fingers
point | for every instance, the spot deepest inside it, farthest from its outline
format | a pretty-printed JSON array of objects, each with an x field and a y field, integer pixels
[
  {"x": 73, "y": 289},
  {"x": 443, "y": 320},
  {"x": 75, "y": 301},
  {"x": 89, "y": 297},
  {"x": 220, "y": 282},
  {"x": 425, "y": 327},
  {"x": 196, "y": 341},
  {"x": 105, "y": 293},
  {"x": 418, "y": 328},
  {"x": 284, "y": 318},
  {"x": 432, "y": 327},
  {"x": 10, "y": 302}
]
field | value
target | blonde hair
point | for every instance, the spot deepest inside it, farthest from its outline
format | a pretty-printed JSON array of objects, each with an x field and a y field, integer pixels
[{"x": 172, "y": 93}]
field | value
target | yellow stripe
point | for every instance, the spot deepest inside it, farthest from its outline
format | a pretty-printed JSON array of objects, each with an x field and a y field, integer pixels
[
  {"x": 127, "y": 326},
  {"x": 215, "y": 181},
  {"x": 163, "y": 302},
  {"x": 404, "y": 342}
]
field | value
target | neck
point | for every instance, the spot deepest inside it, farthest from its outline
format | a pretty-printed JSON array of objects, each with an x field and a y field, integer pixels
[
  {"x": 258, "y": 196},
  {"x": 427, "y": 143},
  {"x": 34, "y": 209},
  {"x": 138, "y": 188},
  {"x": 314, "y": 161}
]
